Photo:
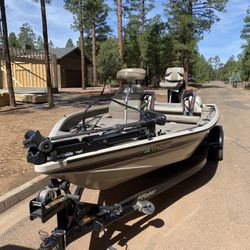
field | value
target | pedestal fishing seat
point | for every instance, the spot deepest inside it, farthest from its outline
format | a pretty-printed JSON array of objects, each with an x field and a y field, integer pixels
[
  {"x": 130, "y": 93},
  {"x": 174, "y": 84},
  {"x": 180, "y": 101}
]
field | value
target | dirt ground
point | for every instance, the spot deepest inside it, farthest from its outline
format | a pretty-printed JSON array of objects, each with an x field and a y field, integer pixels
[{"x": 14, "y": 170}]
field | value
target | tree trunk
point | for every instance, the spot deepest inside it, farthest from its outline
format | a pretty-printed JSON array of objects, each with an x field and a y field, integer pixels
[
  {"x": 94, "y": 55},
  {"x": 83, "y": 62},
  {"x": 46, "y": 54},
  {"x": 7, "y": 55},
  {"x": 186, "y": 65},
  {"x": 186, "y": 52},
  {"x": 142, "y": 33},
  {"x": 119, "y": 17}
]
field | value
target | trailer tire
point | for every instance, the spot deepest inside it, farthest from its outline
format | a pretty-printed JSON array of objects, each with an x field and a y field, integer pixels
[{"x": 216, "y": 144}]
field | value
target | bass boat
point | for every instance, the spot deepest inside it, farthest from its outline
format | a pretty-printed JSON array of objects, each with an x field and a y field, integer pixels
[{"x": 102, "y": 147}]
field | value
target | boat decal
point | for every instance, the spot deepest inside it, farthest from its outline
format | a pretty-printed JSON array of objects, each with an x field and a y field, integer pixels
[
  {"x": 163, "y": 146},
  {"x": 146, "y": 195}
]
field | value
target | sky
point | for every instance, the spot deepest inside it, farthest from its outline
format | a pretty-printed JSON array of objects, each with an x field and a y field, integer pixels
[{"x": 223, "y": 39}]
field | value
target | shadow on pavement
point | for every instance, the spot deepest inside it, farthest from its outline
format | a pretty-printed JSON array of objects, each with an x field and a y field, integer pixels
[
  {"x": 60, "y": 100},
  {"x": 77, "y": 100},
  {"x": 15, "y": 247},
  {"x": 161, "y": 202}
]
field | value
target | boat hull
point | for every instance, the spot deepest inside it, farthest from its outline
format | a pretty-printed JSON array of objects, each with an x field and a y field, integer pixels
[
  {"x": 106, "y": 168},
  {"x": 116, "y": 167}
]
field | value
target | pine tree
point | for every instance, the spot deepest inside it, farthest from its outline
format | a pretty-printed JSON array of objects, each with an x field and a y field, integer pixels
[
  {"x": 159, "y": 52},
  {"x": 69, "y": 44},
  {"x": 96, "y": 14},
  {"x": 188, "y": 20},
  {"x": 26, "y": 36},
  {"x": 51, "y": 44},
  {"x": 245, "y": 34},
  {"x": 39, "y": 43},
  {"x": 230, "y": 66},
  {"x": 138, "y": 12},
  {"x": 132, "y": 44},
  {"x": 108, "y": 60},
  {"x": 13, "y": 41},
  {"x": 77, "y": 8},
  {"x": 199, "y": 68}
]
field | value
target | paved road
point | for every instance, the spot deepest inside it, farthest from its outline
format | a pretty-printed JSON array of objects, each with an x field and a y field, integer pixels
[{"x": 211, "y": 210}]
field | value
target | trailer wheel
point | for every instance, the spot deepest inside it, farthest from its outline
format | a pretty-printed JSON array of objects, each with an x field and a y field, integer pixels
[{"x": 216, "y": 144}]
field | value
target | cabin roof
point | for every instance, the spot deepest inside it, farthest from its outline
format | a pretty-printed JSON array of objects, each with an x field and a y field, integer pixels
[{"x": 62, "y": 52}]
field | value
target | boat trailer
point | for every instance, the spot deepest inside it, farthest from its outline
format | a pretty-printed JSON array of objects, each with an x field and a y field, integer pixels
[{"x": 76, "y": 218}]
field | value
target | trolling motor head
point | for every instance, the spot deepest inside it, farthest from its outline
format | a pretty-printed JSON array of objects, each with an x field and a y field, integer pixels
[{"x": 38, "y": 147}]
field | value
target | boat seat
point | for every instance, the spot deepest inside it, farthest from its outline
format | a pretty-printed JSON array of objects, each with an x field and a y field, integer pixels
[
  {"x": 174, "y": 74},
  {"x": 183, "y": 119},
  {"x": 191, "y": 105},
  {"x": 173, "y": 78},
  {"x": 133, "y": 95},
  {"x": 172, "y": 108}
]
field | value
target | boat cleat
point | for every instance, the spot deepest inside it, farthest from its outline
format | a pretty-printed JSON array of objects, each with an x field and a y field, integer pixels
[{"x": 145, "y": 207}]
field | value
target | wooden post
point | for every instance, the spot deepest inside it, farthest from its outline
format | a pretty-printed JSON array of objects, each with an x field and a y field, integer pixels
[
  {"x": 55, "y": 71},
  {"x": 7, "y": 55},
  {"x": 31, "y": 75},
  {"x": 14, "y": 71}
]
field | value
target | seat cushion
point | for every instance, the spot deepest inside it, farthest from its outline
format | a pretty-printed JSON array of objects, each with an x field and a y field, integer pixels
[{"x": 173, "y": 108}]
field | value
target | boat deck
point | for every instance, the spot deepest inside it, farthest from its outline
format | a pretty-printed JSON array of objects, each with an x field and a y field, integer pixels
[{"x": 175, "y": 123}]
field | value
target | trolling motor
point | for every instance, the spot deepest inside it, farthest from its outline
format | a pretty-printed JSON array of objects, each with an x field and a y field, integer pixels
[{"x": 38, "y": 145}]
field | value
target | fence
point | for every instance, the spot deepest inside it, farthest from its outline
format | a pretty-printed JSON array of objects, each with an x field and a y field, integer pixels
[{"x": 28, "y": 69}]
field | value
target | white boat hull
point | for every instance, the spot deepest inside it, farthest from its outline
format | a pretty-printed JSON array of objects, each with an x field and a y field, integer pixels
[{"x": 105, "y": 168}]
